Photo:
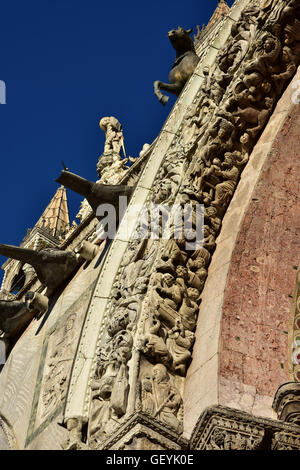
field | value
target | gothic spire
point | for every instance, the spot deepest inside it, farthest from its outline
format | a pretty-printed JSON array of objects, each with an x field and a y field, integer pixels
[
  {"x": 221, "y": 10},
  {"x": 55, "y": 218}
]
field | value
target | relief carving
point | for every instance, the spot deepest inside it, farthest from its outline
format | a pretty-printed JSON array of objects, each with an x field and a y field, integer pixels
[
  {"x": 56, "y": 380},
  {"x": 110, "y": 387},
  {"x": 161, "y": 399},
  {"x": 204, "y": 165}
]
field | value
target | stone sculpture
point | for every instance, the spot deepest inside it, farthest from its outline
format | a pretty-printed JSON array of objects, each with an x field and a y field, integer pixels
[
  {"x": 111, "y": 166},
  {"x": 52, "y": 266},
  {"x": 114, "y": 139},
  {"x": 203, "y": 165},
  {"x": 95, "y": 193},
  {"x": 183, "y": 67},
  {"x": 160, "y": 399}
]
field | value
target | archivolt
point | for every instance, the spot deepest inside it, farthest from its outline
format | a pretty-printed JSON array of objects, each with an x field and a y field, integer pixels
[{"x": 6, "y": 430}]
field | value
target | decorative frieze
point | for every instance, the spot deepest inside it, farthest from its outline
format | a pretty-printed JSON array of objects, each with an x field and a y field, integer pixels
[
  {"x": 222, "y": 428},
  {"x": 150, "y": 312}
]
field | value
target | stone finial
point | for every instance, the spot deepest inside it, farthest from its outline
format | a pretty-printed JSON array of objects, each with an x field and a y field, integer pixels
[
  {"x": 287, "y": 403},
  {"x": 55, "y": 218}
]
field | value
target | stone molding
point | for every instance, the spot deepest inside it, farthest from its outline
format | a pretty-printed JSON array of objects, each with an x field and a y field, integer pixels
[
  {"x": 8, "y": 432},
  {"x": 223, "y": 428},
  {"x": 287, "y": 402},
  {"x": 140, "y": 425}
]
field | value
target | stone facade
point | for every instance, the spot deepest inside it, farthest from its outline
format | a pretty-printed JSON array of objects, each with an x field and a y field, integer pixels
[{"x": 152, "y": 344}]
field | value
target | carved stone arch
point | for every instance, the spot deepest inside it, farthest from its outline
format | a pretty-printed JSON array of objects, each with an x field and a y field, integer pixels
[
  {"x": 247, "y": 299},
  {"x": 7, "y": 437}
]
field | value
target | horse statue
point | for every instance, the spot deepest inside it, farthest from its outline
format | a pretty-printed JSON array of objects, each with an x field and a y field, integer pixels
[{"x": 183, "y": 67}]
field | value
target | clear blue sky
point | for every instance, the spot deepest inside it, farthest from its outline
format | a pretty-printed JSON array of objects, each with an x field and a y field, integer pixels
[{"x": 66, "y": 64}]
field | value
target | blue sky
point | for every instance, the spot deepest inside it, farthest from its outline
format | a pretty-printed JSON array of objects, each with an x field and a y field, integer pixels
[{"x": 66, "y": 64}]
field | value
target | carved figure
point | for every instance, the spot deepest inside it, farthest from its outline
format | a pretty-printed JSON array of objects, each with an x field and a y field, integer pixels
[
  {"x": 230, "y": 175},
  {"x": 14, "y": 316},
  {"x": 95, "y": 193},
  {"x": 166, "y": 398},
  {"x": 179, "y": 342},
  {"x": 221, "y": 132},
  {"x": 114, "y": 139},
  {"x": 170, "y": 296},
  {"x": 101, "y": 411},
  {"x": 171, "y": 256},
  {"x": 266, "y": 54},
  {"x": 74, "y": 441},
  {"x": 287, "y": 69},
  {"x": 189, "y": 309},
  {"x": 210, "y": 215},
  {"x": 148, "y": 403},
  {"x": 183, "y": 67},
  {"x": 198, "y": 273},
  {"x": 52, "y": 266},
  {"x": 253, "y": 116}
]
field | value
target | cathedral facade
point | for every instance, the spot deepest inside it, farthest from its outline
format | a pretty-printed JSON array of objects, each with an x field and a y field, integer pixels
[{"x": 129, "y": 341}]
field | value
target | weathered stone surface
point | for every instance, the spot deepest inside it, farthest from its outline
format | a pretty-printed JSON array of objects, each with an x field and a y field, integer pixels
[
  {"x": 246, "y": 300},
  {"x": 256, "y": 307},
  {"x": 222, "y": 428},
  {"x": 109, "y": 360},
  {"x": 44, "y": 354}
]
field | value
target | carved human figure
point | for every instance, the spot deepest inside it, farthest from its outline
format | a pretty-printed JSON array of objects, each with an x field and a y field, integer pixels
[
  {"x": 153, "y": 344},
  {"x": 251, "y": 116},
  {"x": 266, "y": 54},
  {"x": 171, "y": 256},
  {"x": 132, "y": 264},
  {"x": 209, "y": 238},
  {"x": 101, "y": 411},
  {"x": 288, "y": 67},
  {"x": 210, "y": 214},
  {"x": 200, "y": 112},
  {"x": 148, "y": 404},
  {"x": 169, "y": 291},
  {"x": 246, "y": 146},
  {"x": 198, "y": 272},
  {"x": 162, "y": 191},
  {"x": 113, "y": 134},
  {"x": 182, "y": 278},
  {"x": 220, "y": 141},
  {"x": 166, "y": 397},
  {"x": 113, "y": 173},
  {"x": 74, "y": 441},
  {"x": 179, "y": 342},
  {"x": 230, "y": 175},
  {"x": 242, "y": 32},
  {"x": 189, "y": 308}
]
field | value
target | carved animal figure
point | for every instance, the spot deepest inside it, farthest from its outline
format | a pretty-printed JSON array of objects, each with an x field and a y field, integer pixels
[{"x": 183, "y": 67}]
